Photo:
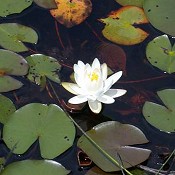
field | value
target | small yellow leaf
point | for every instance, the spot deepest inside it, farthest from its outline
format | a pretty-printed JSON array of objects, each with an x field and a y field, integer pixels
[{"x": 71, "y": 12}]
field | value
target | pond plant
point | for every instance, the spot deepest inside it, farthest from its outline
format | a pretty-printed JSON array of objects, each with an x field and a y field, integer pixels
[{"x": 118, "y": 60}]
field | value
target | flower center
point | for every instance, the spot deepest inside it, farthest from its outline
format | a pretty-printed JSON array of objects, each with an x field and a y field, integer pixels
[{"x": 93, "y": 76}]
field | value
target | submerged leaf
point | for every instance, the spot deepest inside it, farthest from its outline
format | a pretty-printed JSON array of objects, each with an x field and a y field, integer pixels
[
  {"x": 161, "y": 53},
  {"x": 71, "y": 13},
  {"x": 49, "y": 4},
  {"x": 11, "y": 64},
  {"x": 6, "y": 108},
  {"x": 114, "y": 138},
  {"x": 162, "y": 117},
  {"x": 43, "y": 66},
  {"x": 49, "y": 124},
  {"x": 9, "y": 7},
  {"x": 12, "y": 35},
  {"x": 161, "y": 15},
  {"x": 138, "y": 3},
  {"x": 119, "y": 26},
  {"x": 35, "y": 167},
  {"x": 113, "y": 55}
]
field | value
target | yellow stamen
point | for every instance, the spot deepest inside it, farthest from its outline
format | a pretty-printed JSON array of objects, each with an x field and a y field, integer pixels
[{"x": 93, "y": 76}]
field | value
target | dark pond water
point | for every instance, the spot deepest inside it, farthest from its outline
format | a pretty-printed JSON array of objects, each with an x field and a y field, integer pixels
[{"x": 82, "y": 42}]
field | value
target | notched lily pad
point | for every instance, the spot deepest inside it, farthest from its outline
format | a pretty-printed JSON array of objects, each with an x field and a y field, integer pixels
[
  {"x": 138, "y": 3},
  {"x": 12, "y": 35},
  {"x": 11, "y": 64},
  {"x": 71, "y": 13},
  {"x": 161, "y": 15},
  {"x": 49, "y": 124},
  {"x": 119, "y": 26},
  {"x": 9, "y": 7},
  {"x": 42, "y": 66},
  {"x": 49, "y": 4},
  {"x": 162, "y": 117},
  {"x": 161, "y": 54},
  {"x": 35, "y": 167},
  {"x": 115, "y": 138},
  {"x": 6, "y": 108}
]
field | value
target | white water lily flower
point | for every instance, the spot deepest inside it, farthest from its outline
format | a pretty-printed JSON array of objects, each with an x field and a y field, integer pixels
[{"x": 93, "y": 86}]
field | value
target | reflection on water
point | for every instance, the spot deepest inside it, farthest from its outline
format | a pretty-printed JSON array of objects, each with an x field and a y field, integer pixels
[{"x": 85, "y": 42}]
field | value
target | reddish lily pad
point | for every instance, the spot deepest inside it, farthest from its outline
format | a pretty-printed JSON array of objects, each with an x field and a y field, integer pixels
[
  {"x": 11, "y": 64},
  {"x": 113, "y": 55},
  {"x": 161, "y": 15},
  {"x": 119, "y": 26},
  {"x": 71, "y": 13},
  {"x": 114, "y": 138}
]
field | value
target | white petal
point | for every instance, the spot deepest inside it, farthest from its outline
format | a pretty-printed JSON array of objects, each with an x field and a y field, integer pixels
[
  {"x": 96, "y": 64},
  {"x": 115, "y": 77},
  {"x": 76, "y": 68},
  {"x": 106, "y": 99},
  {"x": 114, "y": 93},
  {"x": 104, "y": 70},
  {"x": 81, "y": 64},
  {"x": 78, "y": 79},
  {"x": 78, "y": 89},
  {"x": 78, "y": 99},
  {"x": 95, "y": 106},
  {"x": 71, "y": 87},
  {"x": 107, "y": 85}
]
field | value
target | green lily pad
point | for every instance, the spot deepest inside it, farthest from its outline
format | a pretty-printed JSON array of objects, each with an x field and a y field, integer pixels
[
  {"x": 12, "y": 35},
  {"x": 138, "y": 3},
  {"x": 6, "y": 108},
  {"x": 49, "y": 124},
  {"x": 49, "y": 4},
  {"x": 162, "y": 117},
  {"x": 11, "y": 64},
  {"x": 35, "y": 167},
  {"x": 9, "y": 7},
  {"x": 114, "y": 138},
  {"x": 161, "y": 15},
  {"x": 43, "y": 66},
  {"x": 161, "y": 53},
  {"x": 119, "y": 26}
]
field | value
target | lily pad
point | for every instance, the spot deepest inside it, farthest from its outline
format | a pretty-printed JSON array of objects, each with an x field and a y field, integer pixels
[
  {"x": 162, "y": 117},
  {"x": 119, "y": 26},
  {"x": 49, "y": 124},
  {"x": 161, "y": 15},
  {"x": 11, "y": 64},
  {"x": 138, "y": 3},
  {"x": 71, "y": 13},
  {"x": 6, "y": 108},
  {"x": 49, "y": 4},
  {"x": 42, "y": 66},
  {"x": 114, "y": 138},
  {"x": 35, "y": 167},
  {"x": 161, "y": 54},
  {"x": 12, "y": 35},
  {"x": 9, "y": 7}
]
